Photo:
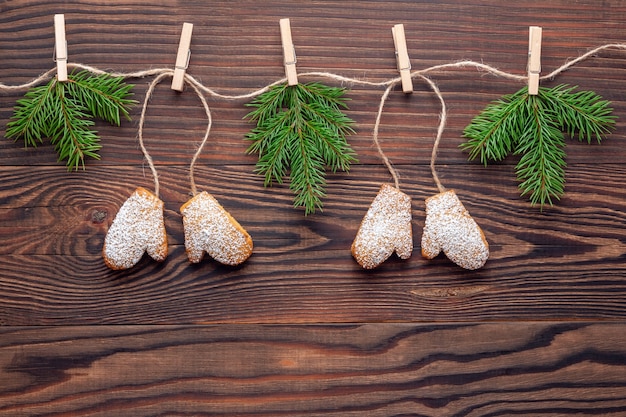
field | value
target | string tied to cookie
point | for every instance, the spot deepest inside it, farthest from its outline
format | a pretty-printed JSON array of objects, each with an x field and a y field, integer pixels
[
  {"x": 142, "y": 119},
  {"x": 151, "y": 87},
  {"x": 440, "y": 129}
]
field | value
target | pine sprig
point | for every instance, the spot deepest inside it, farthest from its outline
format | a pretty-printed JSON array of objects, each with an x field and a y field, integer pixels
[
  {"x": 541, "y": 169},
  {"x": 532, "y": 126},
  {"x": 63, "y": 112},
  {"x": 106, "y": 97},
  {"x": 300, "y": 131},
  {"x": 583, "y": 111}
]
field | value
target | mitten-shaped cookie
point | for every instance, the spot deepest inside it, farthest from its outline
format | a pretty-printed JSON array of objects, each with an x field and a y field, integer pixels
[
  {"x": 385, "y": 228},
  {"x": 210, "y": 228},
  {"x": 450, "y": 228},
  {"x": 138, "y": 227}
]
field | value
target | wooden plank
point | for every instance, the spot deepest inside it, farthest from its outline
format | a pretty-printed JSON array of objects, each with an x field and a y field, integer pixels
[
  {"x": 522, "y": 368},
  {"x": 543, "y": 265},
  {"x": 272, "y": 288}
]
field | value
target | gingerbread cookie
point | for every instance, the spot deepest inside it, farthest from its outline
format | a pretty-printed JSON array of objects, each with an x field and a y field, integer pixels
[
  {"x": 138, "y": 227},
  {"x": 210, "y": 228},
  {"x": 385, "y": 229},
  {"x": 450, "y": 228}
]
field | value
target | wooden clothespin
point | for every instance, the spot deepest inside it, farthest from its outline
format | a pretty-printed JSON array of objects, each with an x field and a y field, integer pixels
[
  {"x": 402, "y": 57},
  {"x": 289, "y": 52},
  {"x": 534, "y": 59},
  {"x": 60, "y": 47},
  {"x": 182, "y": 57}
]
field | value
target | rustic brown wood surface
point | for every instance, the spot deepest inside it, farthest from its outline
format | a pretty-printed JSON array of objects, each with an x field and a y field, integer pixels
[
  {"x": 344, "y": 370},
  {"x": 300, "y": 329}
]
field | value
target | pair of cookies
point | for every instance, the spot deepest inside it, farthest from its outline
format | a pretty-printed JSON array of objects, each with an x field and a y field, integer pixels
[
  {"x": 386, "y": 228},
  {"x": 139, "y": 228}
]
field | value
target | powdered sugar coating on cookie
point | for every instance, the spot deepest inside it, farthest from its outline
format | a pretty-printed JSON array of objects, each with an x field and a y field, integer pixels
[
  {"x": 450, "y": 228},
  {"x": 210, "y": 228},
  {"x": 385, "y": 228},
  {"x": 138, "y": 227}
]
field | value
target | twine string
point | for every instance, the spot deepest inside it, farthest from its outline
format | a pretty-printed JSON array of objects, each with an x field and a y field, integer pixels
[
  {"x": 581, "y": 58},
  {"x": 440, "y": 67},
  {"x": 392, "y": 171},
  {"x": 142, "y": 120},
  {"x": 443, "y": 116},
  {"x": 207, "y": 110},
  {"x": 200, "y": 88}
]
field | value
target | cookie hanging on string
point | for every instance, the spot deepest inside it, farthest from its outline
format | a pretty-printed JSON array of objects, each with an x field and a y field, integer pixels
[
  {"x": 531, "y": 123},
  {"x": 300, "y": 131},
  {"x": 208, "y": 227},
  {"x": 138, "y": 226},
  {"x": 386, "y": 227},
  {"x": 449, "y": 228}
]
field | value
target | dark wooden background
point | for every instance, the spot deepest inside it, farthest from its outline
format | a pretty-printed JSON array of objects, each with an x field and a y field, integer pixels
[{"x": 300, "y": 329}]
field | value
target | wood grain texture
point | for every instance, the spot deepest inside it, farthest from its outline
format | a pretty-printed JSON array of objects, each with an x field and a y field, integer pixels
[
  {"x": 300, "y": 329},
  {"x": 469, "y": 369},
  {"x": 52, "y": 270}
]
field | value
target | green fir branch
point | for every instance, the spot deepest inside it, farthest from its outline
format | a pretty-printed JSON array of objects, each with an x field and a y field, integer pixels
[
  {"x": 584, "y": 112},
  {"x": 300, "y": 131},
  {"x": 33, "y": 115},
  {"x": 491, "y": 134},
  {"x": 73, "y": 139},
  {"x": 106, "y": 97},
  {"x": 532, "y": 127},
  {"x": 64, "y": 112},
  {"x": 541, "y": 169}
]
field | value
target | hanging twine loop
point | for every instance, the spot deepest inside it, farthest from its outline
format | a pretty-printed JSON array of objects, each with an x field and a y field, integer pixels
[
  {"x": 206, "y": 134},
  {"x": 442, "y": 124},
  {"x": 142, "y": 120},
  {"x": 382, "y": 155},
  {"x": 443, "y": 116}
]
